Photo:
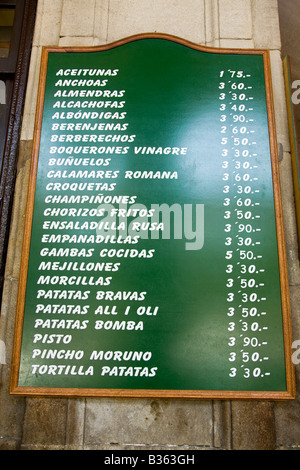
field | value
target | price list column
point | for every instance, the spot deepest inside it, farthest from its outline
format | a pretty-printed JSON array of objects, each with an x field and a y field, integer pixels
[{"x": 243, "y": 234}]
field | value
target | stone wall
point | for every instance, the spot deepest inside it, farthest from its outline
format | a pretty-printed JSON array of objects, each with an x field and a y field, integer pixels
[{"x": 108, "y": 423}]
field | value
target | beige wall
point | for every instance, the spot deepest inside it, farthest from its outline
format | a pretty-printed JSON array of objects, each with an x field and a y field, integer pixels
[{"x": 34, "y": 423}]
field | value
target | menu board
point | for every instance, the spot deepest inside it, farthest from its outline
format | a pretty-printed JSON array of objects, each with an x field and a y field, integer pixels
[{"x": 153, "y": 259}]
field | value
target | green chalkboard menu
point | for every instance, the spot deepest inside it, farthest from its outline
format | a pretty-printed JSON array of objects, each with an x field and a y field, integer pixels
[{"x": 153, "y": 259}]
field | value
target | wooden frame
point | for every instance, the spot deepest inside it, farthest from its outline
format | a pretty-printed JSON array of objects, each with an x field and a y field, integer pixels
[
  {"x": 194, "y": 394},
  {"x": 14, "y": 70}
]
